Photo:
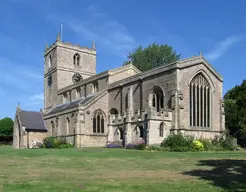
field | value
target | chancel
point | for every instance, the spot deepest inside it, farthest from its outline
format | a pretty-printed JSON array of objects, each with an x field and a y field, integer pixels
[{"x": 122, "y": 104}]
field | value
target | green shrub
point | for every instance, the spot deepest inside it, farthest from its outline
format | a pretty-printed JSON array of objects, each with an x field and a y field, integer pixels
[
  {"x": 224, "y": 141},
  {"x": 140, "y": 144},
  {"x": 217, "y": 148},
  {"x": 227, "y": 143},
  {"x": 65, "y": 145},
  {"x": 52, "y": 142},
  {"x": 241, "y": 137},
  {"x": 49, "y": 142},
  {"x": 183, "y": 143},
  {"x": 154, "y": 148},
  {"x": 198, "y": 145},
  {"x": 179, "y": 143},
  {"x": 208, "y": 146}
]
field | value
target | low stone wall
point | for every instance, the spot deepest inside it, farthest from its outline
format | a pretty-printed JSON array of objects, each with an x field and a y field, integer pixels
[
  {"x": 93, "y": 140},
  {"x": 202, "y": 133}
]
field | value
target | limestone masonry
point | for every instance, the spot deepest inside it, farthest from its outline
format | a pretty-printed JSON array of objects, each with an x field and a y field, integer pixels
[{"x": 123, "y": 104}]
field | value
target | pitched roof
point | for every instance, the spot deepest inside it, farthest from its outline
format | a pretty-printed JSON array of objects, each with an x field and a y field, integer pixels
[
  {"x": 177, "y": 64},
  {"x": 70, "y": 105},
  {"x": 32, "y": 120}
]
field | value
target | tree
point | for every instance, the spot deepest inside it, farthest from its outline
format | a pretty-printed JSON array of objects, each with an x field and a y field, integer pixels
[
  {"x": 152, "y": 56},
  {"x": 6, "y": 127},
  {"x": 235, "y": 112}
]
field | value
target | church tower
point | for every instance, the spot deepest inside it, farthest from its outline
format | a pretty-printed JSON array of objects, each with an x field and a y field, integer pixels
[{"x": 62, "y": 60}]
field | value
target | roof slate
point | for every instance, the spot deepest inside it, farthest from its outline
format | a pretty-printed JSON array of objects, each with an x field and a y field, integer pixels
[
  {"x": 70, "y": 105},
  {"x": 32, "y": 120}
]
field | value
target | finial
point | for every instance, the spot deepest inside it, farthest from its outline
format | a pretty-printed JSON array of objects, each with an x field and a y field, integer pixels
[
  {"x": 46, "y": 46},
  {"x": 18, "y": 107},
  {"x": 61, "y": 30},
  {"x": 58, "y": 37},
  {"x": 200, "y": 54},
  {"x": 129, "y": 62},
  {"x": 93, "y": 45}
]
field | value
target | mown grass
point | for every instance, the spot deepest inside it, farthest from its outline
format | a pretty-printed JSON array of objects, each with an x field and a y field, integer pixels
[{"x": 118, "y": 170}]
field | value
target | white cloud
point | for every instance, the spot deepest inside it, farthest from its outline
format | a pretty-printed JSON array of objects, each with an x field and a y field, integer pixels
[
  {"x": 222, "y": 47},
  {"x": 96, "y": 26},
  {"x": 18, "y": 76},
  {"x": 37, "y": 97}
]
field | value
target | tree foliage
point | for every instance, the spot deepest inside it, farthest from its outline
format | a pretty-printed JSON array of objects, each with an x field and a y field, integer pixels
[
  {"x": 235, "y": 112},
  {"x": 152, "y": 56},
  {"x": 6, "y": 126}
]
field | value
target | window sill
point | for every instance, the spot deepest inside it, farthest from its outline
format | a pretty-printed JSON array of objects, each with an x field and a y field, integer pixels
[
  {"x": 195, "y": 127},
  {"x": 98, "y": 134}
]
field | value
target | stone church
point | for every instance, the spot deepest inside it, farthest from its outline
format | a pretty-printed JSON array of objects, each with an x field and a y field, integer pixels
[{"x": 122, "y": 104}]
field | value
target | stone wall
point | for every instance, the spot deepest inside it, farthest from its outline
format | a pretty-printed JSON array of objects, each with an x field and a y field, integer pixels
[
  {"x": 35, "y": 137},
  {"x": 202, "y": 134},
  {"x": 50, "y": 92},
  {"x": 93, "y": 140},
  {"x": 184, "y": 77},
  {"x": 80, "y": 122},
  {"x": 154, "y": 131},
  {"x": 167, "y": 81},
  {"x": 122, "y": 73},
  {"x": 60, "y": 124},
  {"x": 114, "y": 98},
  {"x": 85, "y": 89},
  {"x": 100, "y": 102},
  {"x": 87, "y": 58},
  {"x": 16, "y": 138},
  {"x": 63, "y": 68}
]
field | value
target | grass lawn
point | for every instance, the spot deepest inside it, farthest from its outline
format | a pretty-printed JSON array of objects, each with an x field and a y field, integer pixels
[{"x": 118, "y": 170}]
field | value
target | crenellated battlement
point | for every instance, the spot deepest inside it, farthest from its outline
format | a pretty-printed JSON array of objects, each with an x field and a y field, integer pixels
[
  {"x": 91, "y": 50},
  {"x": 136, "y": 116}
]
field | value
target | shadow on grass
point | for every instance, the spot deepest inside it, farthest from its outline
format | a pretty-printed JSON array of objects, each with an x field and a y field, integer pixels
[{"x": 229, "y": 175}]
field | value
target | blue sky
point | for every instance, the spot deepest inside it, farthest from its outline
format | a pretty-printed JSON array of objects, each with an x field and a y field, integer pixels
[{"x": 216, "y": 28}]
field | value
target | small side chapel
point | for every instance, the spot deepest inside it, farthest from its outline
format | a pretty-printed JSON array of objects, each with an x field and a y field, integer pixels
[{"x": 124, "y": 104}]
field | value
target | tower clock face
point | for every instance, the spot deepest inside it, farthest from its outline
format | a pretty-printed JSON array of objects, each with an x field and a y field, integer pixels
[
  {"x": 76, "y": 78},
  {"x": 49, "y": 80}
]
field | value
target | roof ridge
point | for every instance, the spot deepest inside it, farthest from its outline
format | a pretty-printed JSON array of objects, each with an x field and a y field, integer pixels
[{"x": 30, "y": 111}]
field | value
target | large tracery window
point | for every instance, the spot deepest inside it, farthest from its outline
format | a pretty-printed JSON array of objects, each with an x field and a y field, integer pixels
[
  {"x": 200, "y": 102},
  {"x": 98, "y": 122}
]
